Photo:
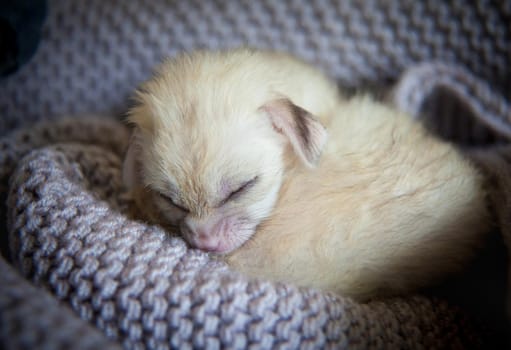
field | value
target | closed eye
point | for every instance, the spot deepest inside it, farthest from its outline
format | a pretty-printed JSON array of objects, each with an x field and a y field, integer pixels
[
  {"x": 240, "y": 190},
  {"x": 173, "y": 203}
]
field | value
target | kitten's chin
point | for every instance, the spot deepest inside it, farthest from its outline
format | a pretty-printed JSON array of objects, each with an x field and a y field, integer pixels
[
  {"x": 219, "y": 246},
  {"x": 222, "y": 250},
  {"x": 220, "y": 242}
]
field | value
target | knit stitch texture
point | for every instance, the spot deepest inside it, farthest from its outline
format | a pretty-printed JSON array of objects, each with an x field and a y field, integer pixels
[
  {"x": 69, "y": 231},
  {"x": 91, "y": 276},
  {"x": 94, "y": 53}
]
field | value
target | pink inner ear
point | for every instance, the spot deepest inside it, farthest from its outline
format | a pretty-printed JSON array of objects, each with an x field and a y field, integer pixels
[
  {"x": 280, "y": 112},
  {"x": 281, "y": 117},
  {"x": 306, "y": 135}
]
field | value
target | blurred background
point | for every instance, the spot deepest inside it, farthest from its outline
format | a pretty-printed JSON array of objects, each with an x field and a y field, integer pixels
[{"x": 63, "y": 57}]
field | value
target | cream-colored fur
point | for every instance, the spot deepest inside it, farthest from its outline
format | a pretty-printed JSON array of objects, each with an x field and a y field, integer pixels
[
  {"x": 205, "y": 125},
  {"x": 389, "y": 209},
  {"x": 225, "y": 142}
]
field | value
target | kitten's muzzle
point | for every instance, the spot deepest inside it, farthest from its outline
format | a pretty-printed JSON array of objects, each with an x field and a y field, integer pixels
[
  {"x": 205, "y": 236},
  {"x": 208, "y": 243}
]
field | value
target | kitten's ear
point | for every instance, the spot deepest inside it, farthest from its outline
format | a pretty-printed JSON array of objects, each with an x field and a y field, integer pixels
[
  {"x": 306, "y": 134},
  {"x": 131, "y": 166}
]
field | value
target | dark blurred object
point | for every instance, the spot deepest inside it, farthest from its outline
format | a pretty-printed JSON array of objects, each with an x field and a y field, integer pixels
[{"x": 20, "y": 31}]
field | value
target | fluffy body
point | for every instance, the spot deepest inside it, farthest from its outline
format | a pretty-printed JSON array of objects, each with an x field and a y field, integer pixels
[
  {"x": 227, "y": 142},
  {"x": 388, "y": 210}
]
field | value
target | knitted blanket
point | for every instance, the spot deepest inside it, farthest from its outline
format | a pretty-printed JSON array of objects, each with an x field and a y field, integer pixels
[
  {"x": 95, "y": 53},
  {"x": 70, "y": 231},
  {"x": 83, "y": 274}
]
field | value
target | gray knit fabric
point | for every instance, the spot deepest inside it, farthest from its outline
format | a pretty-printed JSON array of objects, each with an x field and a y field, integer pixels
[
  {"x": 27, "y": 322},
  {"x": 70, "y": 231},
  {"x": 95, "y": 52},
  {"x": 485, "y": 112}
]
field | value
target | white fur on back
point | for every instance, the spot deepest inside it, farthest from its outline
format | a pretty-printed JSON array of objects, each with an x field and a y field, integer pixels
[{"x": 390, "y": 209}]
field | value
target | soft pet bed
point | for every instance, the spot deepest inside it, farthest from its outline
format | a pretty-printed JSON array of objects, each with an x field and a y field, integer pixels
[{"x": 81, "y": 273}]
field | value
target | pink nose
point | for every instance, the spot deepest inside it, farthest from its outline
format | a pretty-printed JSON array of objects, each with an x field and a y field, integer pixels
[{"x": 206, "y": 242}]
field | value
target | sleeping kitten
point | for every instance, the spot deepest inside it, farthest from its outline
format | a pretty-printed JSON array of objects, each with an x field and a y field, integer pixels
[
  {"x": 210, "y": 131},
  {"x": 388, "y": 210},
  {"x": 227, "y": 142}
]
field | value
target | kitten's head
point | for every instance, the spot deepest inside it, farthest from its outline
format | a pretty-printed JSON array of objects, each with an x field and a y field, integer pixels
[{"x": 209, "y": 146}]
